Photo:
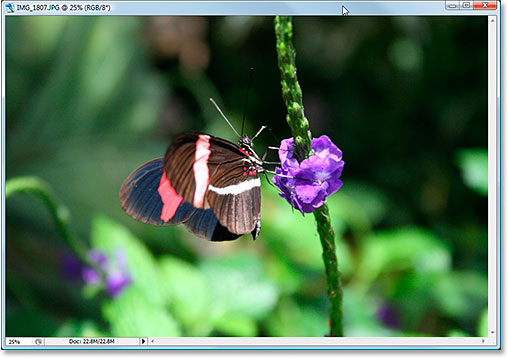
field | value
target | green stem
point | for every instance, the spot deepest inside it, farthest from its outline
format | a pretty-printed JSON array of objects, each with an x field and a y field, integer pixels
[
  {"x": 292, "y": 95},
  {"x": 333, "y": 280},
  {"x": 59, "y": 213}
]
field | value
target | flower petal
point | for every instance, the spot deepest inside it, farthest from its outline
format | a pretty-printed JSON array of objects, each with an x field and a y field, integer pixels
[
  {"x": 90, "y": 276},
  {"x": 307, "y": 193},
  {"x": 333, "y": 186},
  {"x": 286, "y": 149},
  {"x": 324, "y": 148},
  {"x": 98, "y": 258},
  {"x": 306, "y": 185},
  {"x": 116, "y": 282}
]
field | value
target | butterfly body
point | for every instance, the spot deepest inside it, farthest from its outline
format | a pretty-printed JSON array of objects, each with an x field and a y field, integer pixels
[{"x": 207, "y": 183}]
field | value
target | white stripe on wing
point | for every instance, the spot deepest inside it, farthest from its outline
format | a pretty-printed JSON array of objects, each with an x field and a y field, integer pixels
[
  {"x": 237, "y": 188},
  {"x": 200, "y": 168}
]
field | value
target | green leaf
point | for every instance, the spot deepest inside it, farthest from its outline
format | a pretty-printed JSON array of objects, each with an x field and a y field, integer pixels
[
  {"x": 457, "y": 295},
  {"x": 110, "y": 238},
  {"x": 457, "y": 333},
  {"x": 287, "y": 279},
  {"x": 413, "y": 297},
  {"x": 44, "y": 34},
  {"x": 358, "y": 205},
  {"x": 474, "y": 165},
  {"x": 89, "y": 291},
  {"x": 239, "y": 286},
  {"x": 131, "y": 315},
  {"x": 238, "y": 326},
  {"x": 74, "y": 328},
  {"x": 360, "y": 318},
  {"x": 483, "y": 323},
  {"x": 141, "y": 309},
  {"x": 293, "y": 237},
  {"x": 190, "y": 296},
  {"x": 409, "y": 248},
  {"x": 461, "y": 295},
  {"x": 292, "y": 320}
]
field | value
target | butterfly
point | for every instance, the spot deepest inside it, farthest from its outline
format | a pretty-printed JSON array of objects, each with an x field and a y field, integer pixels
[{"x": 209, "y": 184}]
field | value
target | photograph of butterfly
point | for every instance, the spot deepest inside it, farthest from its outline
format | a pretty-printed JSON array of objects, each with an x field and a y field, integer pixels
[{"x": 132, "y": 201}]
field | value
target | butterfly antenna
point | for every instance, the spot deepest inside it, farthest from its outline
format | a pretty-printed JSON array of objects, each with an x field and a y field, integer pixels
[
  {"x": 247, "y": 97},
  {"x": 277, "y": 139},
  {"x": 259, "y": 132},
  {"x": 223, "y": 116}
]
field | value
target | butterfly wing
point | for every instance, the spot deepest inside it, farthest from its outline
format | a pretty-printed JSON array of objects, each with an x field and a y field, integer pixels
[
  {"x": 234, "y": 194},
  {"x": 191, "y": 161},
  {"x": 147, "y": 196},
  {"x": 140, "y": 197},
  {"x": 205, "y": 224}
]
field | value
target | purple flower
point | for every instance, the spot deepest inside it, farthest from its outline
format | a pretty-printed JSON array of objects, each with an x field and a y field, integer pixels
[
  {"x": 388, "y": 316},
  {"x": 70, "y": 266},
  {"x": 116, "y": 282},
  {"x": 90, "y": 275},
  {"x": 116, "y": 277},
  {"x": 306, "y": 185}
]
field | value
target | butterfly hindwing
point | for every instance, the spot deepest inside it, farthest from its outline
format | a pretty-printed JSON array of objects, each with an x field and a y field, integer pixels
[
  {"x": 205, "y": 224},
  {"x": 140, "y": 198}
]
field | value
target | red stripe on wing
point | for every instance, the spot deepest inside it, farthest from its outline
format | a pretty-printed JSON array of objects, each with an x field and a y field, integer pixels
[{"x": 170, "y": 198}]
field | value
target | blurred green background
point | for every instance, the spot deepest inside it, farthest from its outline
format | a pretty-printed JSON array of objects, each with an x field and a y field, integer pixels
[{"x": 89, "y": 99}]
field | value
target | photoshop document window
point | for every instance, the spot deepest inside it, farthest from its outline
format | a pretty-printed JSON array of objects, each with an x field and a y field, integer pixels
[{"x": 250, "y": 174}]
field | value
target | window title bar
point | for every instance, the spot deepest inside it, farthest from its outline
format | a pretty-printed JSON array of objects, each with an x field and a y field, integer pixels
[{"x": 317, "y": 8}]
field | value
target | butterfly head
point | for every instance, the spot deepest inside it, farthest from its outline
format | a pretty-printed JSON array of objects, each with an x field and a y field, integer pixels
[{"x": 245, "y": 142}]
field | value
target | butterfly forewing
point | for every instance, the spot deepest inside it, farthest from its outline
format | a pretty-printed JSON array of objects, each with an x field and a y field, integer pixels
[
  {"x": 140, "y": 196},
  {"x": 178, "y": 165},
  {"x": 191, "y": 160}
]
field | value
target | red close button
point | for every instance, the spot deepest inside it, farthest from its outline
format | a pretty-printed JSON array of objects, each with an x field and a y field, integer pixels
[{"x": 485, "y": 5}]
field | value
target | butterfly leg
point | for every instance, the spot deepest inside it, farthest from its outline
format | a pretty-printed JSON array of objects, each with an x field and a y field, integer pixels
[
  {"x": 280, "y": 175},
  {"x": 288, "y": 176},
  {"x": 265, "y": 162},
  {"x": 266, "y": 153},
  {"x": 270, "y": 182},
  {"x": 273, "y": 148},
  {"x": 277, "y": 188}
]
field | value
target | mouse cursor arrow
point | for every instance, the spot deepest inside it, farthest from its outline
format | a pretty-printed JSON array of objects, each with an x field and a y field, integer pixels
[{"x": 345, "y": 11}]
